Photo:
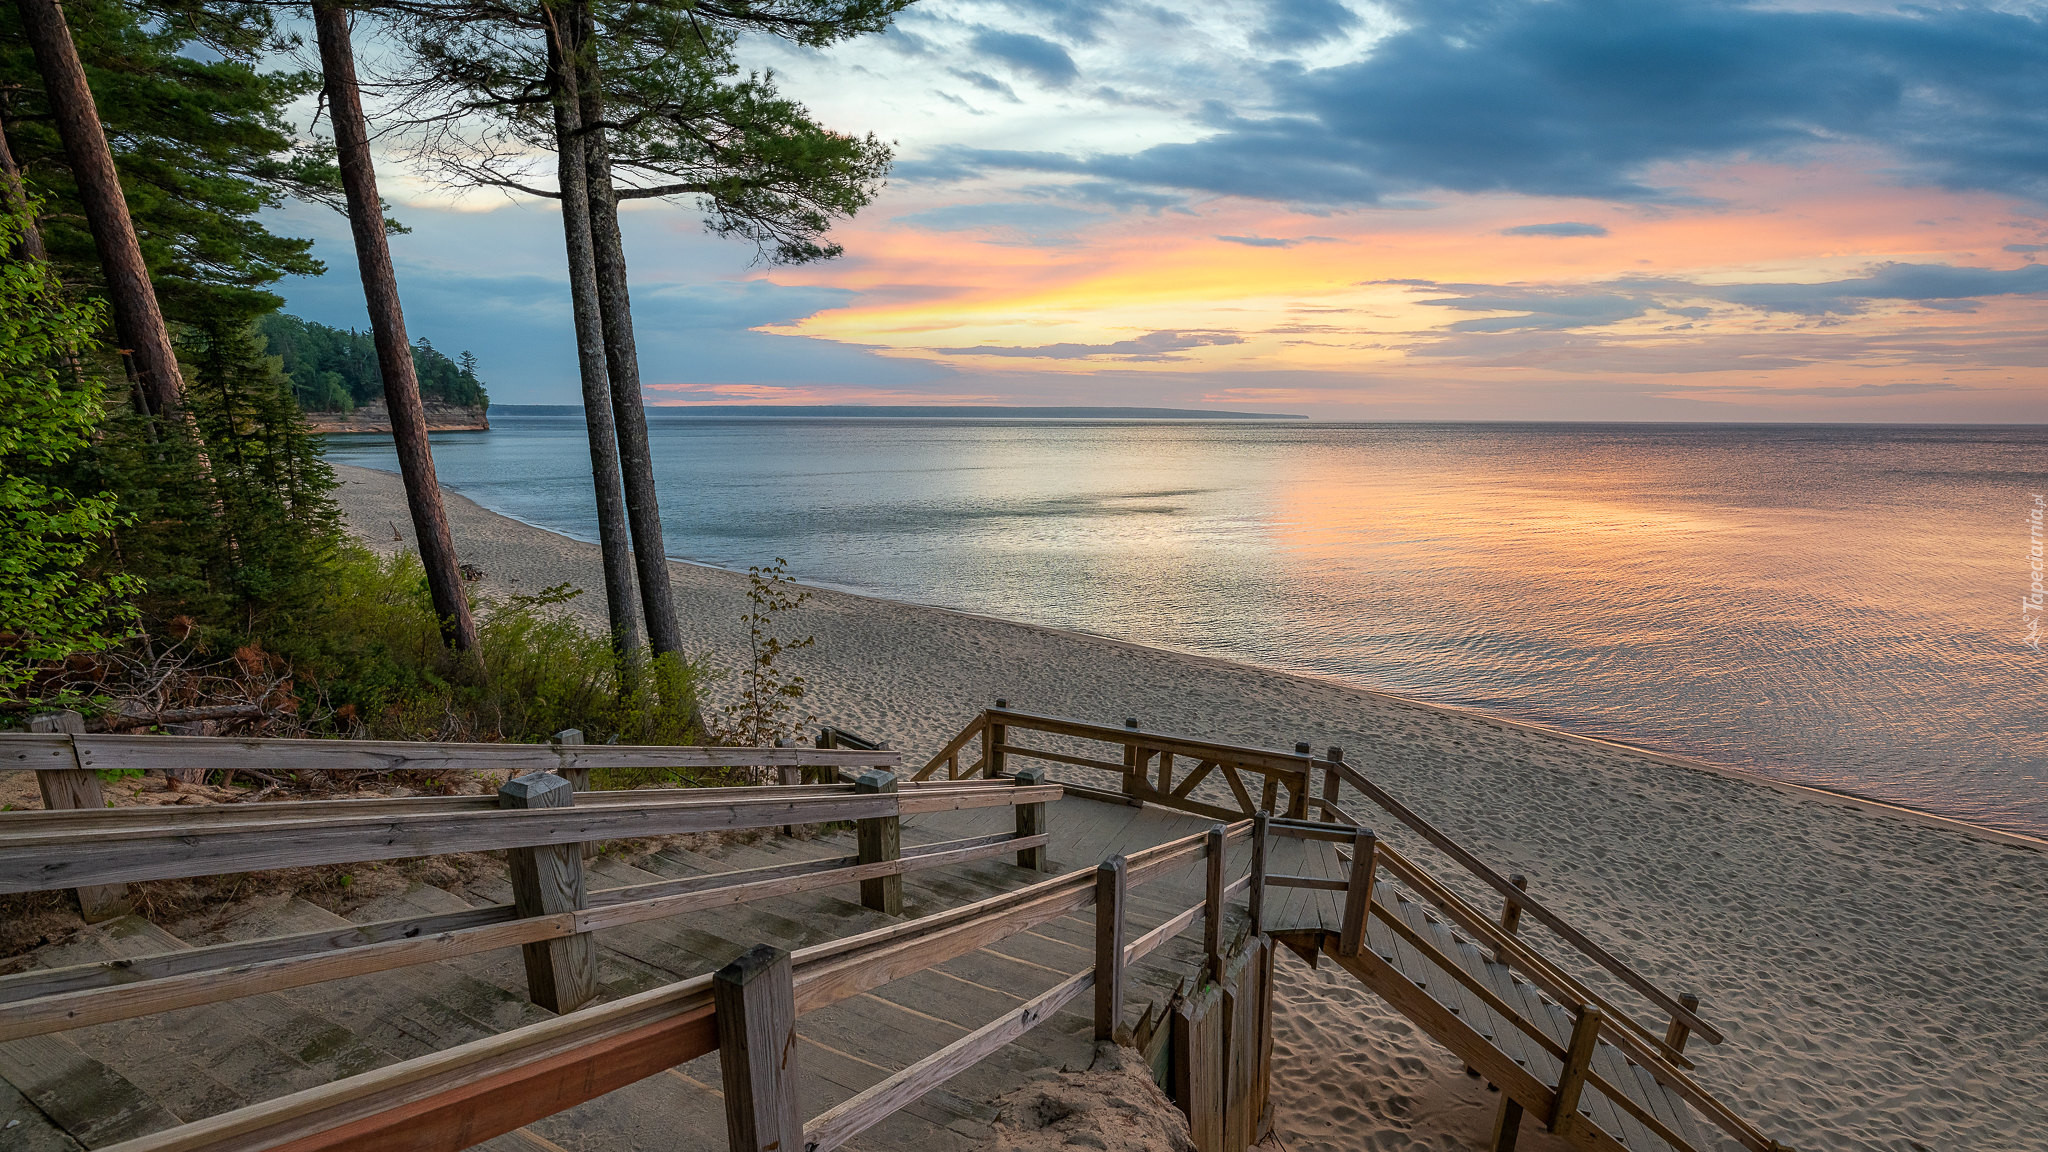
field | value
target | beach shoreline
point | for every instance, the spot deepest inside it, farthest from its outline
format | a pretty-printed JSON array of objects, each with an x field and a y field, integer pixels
[
  {"x": 1801, "y": 914},
  {"x": 1477, "y": 715}
]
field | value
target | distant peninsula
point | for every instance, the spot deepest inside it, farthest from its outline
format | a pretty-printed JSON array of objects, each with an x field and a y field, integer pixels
[{"x": 906, "y": 412}]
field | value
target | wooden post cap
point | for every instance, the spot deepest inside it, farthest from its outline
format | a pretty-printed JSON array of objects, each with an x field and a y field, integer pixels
[
  {"x": 1130, "y": 721},
  {"x": 1002, "y": 703},
  {"x": 1035, "y": 774},
  {"x": 751, "y": 965},
  {"x": 569, "y": 736},
  {"x": 536, "y": 790},
  {"x": 64, "y": 720},
  {"x": 1334, "y": 753},
  {"x": 1301, "y": 747},
  {"x": 1519, "y": 881},
  {"x": 875, "y": 780}
]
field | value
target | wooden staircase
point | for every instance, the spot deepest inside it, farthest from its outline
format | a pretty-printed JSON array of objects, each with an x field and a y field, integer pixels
[{"x": 922, "y": 972}]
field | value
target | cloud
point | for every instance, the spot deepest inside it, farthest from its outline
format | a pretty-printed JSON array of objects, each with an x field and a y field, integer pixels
[
  {"x": 1151, "y": 346},
  {"x": 1303, "y": 23},
  {"x": 1932, "y": 285},
  {"x": 1042, "y": 225},
  {"x": 1561, "y": 228},
  {"x": 1558, "y": 308},
  {"x": 1277, "y": 241},
  {"x": 1032, "y": 55},
  {"x": 1079, "y": 20},
  {"x": 1585, "y": 98},
  {"x": 1545, "y": 309}
]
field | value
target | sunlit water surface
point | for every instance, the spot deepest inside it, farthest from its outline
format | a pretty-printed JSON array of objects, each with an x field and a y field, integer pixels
[{"x": 1837, "y": 606}]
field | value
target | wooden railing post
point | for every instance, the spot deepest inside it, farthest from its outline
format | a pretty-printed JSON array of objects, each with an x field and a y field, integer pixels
[
  {"x": 755, "y": 1004},
  {"x": 1679, "y": 1032},
  {"x": 578, "y": 778},
  {"x": 1507, "y": 1125},
  {"x": 561, "y": 974},
  {"x": 880, "y": 838},
  {"x": 1332, "y": 783},
  {"x": 1133, "y": 763},
  {"x": 1510, "y": 915},
  {"x": 1031, "y": 821},
  {"x": 1212, "y": 909},
  {"x": 75, "y": 788},
  {"x": 1578, "y": 1058},
  {"x": 993, "y": 737},
  {"x": 1358, "y": 894},
  {"x": 1109, "y": 947},
  {"x": 1260, "y": 826}
]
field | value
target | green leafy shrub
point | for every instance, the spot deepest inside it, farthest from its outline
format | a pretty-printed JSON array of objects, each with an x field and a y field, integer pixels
[
  {"x": 53, "y": 603},
  {"x": 373, "y": 665}
]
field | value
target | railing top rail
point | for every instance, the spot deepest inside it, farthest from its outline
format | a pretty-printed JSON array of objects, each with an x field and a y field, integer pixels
[
  {"x": 553, "y": 1065},
  {"x": 1289, "y": 761},
  {"x": 274, "y": 811},
  {"x": 62, "y": 850},
  {"x": 1530, "y": 905},
  {"x": 59, "y": 750}
]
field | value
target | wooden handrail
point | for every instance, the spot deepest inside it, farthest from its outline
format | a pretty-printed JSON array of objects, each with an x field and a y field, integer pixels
[
  {"x": 450, "y": 1100},
  {"x": 1555, "y": 981},
  {"x": 59, "y": 750},
  {"x": 1530, "y": 905},
  {"x": 847, "y": 1120},
  {"x": 217, "y": 982},
  {"x": 952, "y": 749},
  {"x": 1179, "y": 745},
  {"x": 160, "y": 843},
  {"x": 1472, "y": 983}
]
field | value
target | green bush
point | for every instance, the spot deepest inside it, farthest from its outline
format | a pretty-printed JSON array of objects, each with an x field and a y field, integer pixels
[
  {"x": 372, "y": 664},
  {"x": 52, "y": 602}
]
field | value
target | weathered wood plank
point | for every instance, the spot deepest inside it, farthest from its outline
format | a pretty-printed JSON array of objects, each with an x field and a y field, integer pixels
[
  {"x": 756, "y": 1015},
  {"x": 1358, "y": 892},
  {"x": 561, "y": 972},
  {"x": 1241, "y": 1042},
  {"x": 1198, "y": 1066},
  {"x": 1317, "y": 883},
  {"x": 72, "y": 788},
  {"x": 162, "y": 849},
  {"x": 231, "y": 971},
  {"x": 1444, "y": 1025},
  {"x": 849, "y": 1119},
  {"x": 1556, "y": 923},
  {"x": 1178, "y": 745},
  {"x": 174, "y": 753},
  {"x": 880, "y": 838},
  {"x": 1110, "y": 879},
  {"x": 1031, "y": 822}
]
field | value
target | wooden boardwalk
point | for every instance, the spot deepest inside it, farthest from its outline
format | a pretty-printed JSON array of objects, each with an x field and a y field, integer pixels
[
  {"x": 935, "y": 974},
  {"x": 97, "y": 1086}
]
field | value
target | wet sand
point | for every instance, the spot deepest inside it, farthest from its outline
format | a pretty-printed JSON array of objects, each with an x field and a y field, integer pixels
[{"x": 1882, "y": 976}]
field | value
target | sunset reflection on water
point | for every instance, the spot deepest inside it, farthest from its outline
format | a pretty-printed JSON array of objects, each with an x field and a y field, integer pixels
[{"x": 1836, "y": 605}]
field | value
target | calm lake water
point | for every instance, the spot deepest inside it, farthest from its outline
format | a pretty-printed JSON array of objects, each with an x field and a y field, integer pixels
[{"x": 1838, "y": 606}]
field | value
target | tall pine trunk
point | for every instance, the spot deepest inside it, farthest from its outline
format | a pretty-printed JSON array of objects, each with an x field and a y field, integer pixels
[
  {"x": 643, "y": 511},
  {"x": 597, "y": 395},
  {"x": 138, "y": 320},
  {"x": 387, "y": 325},
  {"x": 14, "y": 194}
]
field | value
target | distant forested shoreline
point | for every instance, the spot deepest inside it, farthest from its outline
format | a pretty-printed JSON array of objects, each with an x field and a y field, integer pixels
[{"x": 335, "y": 369}]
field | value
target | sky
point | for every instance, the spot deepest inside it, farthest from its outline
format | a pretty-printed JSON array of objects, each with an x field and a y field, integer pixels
[{"x": 1418, "y": 209}]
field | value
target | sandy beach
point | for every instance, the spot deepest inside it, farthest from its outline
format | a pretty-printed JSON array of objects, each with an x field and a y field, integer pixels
[{"x": 1882, "y": 978}]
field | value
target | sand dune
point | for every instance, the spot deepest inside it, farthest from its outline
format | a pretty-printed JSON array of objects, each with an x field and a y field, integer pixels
[{"x": 1883, "y": 980}]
